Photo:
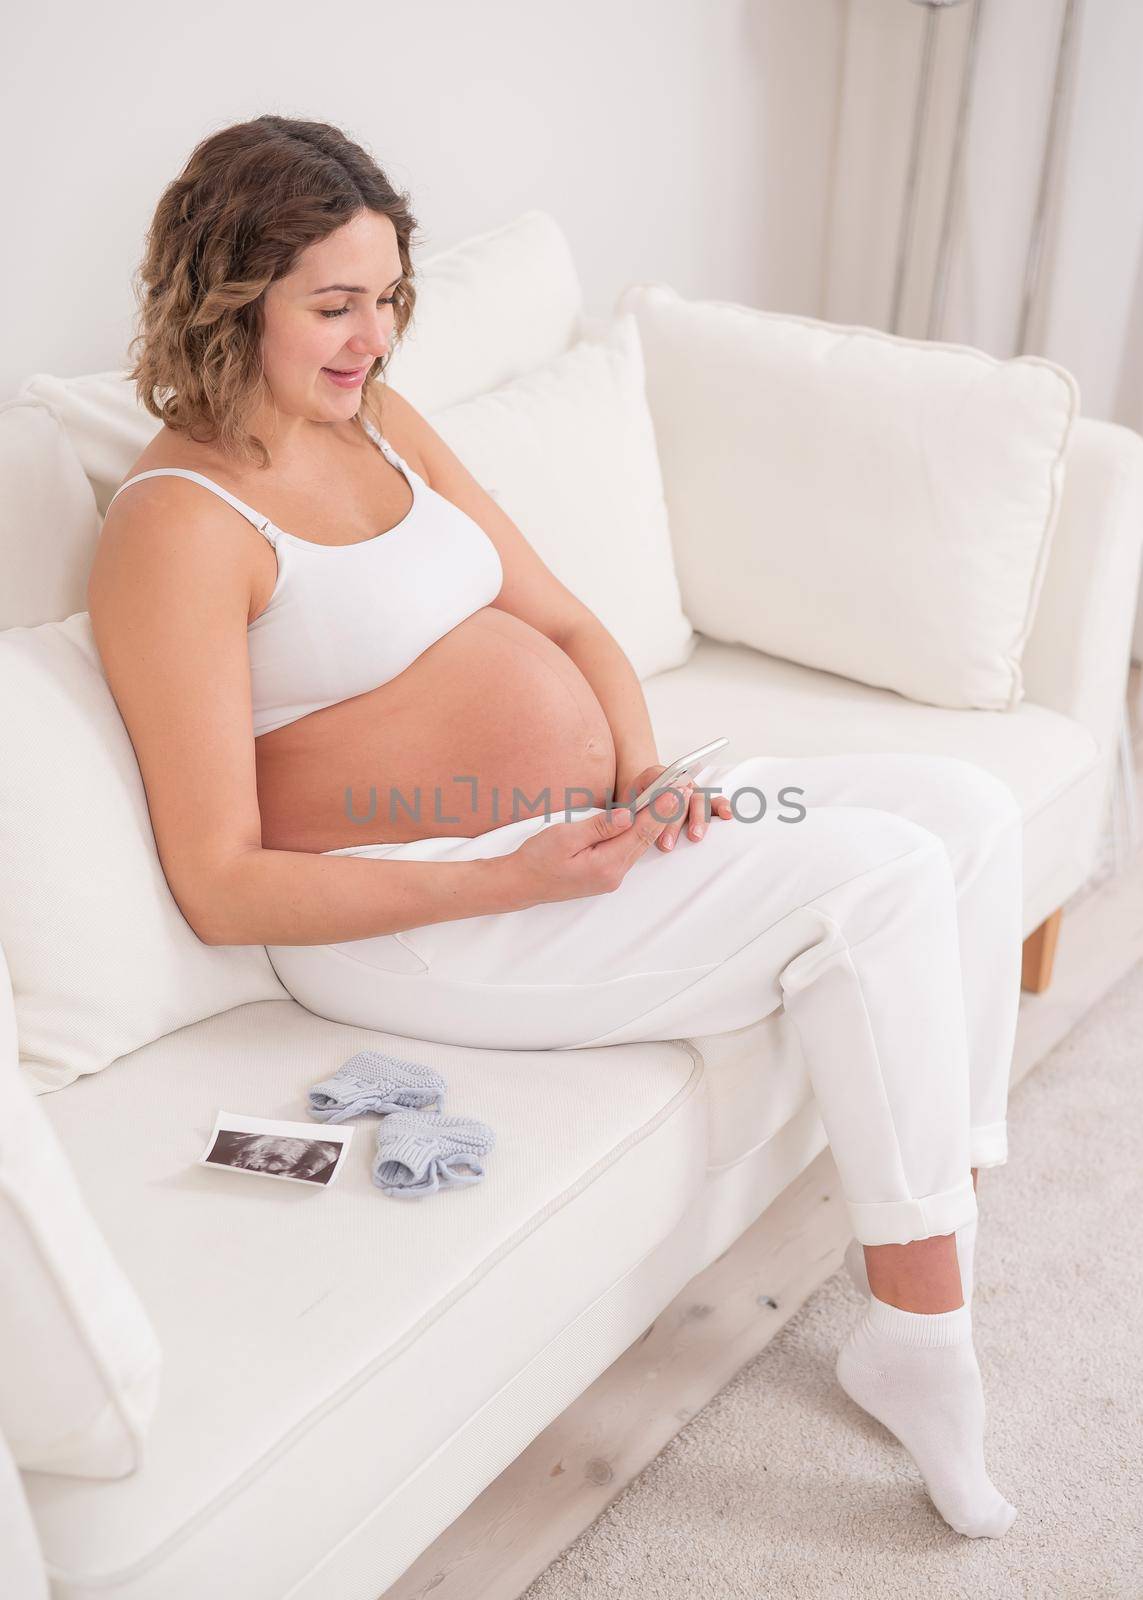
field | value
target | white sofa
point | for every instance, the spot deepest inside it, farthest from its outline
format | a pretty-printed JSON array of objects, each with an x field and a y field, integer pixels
[{"x": 341, "y": 1374}]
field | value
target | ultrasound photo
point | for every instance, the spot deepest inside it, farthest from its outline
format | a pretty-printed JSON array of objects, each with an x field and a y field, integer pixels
[{"x": 273, "y": 1148}]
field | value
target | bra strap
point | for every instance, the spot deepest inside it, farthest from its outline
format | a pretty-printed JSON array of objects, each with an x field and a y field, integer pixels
[
  {"x": 385, "y": 447},
  {"x": 263, "y": 524}
]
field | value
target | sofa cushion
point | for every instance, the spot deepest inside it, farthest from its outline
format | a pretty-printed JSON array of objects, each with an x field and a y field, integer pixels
[
  {"x": 79, "y": 1357},
  {"x": 49, "y": 524},
  {"x": 569, "y": 452},
  {"x": 765, "y": 706},
  {"x": 321, "y": 1347},
  {"x": 102, "y": 959},
  {"x": 489, "y": 308},
  {"x": 875, "y": 506}
]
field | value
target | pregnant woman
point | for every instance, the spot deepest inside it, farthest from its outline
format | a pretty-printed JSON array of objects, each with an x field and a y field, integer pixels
[{"x": 348, "y": 677}]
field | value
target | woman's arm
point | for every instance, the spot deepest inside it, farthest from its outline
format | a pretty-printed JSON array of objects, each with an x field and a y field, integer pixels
[{"x": 296, "y": 897}]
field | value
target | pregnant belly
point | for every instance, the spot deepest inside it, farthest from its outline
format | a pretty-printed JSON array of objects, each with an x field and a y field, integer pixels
[{"x": 490, "y": 724}]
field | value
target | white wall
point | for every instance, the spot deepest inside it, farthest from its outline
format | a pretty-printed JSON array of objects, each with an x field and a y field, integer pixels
[{"x": 642, "y": 125}]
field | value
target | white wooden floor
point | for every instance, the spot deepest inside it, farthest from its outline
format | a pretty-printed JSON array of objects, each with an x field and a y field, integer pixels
[{"x": 577, "y": 1466}]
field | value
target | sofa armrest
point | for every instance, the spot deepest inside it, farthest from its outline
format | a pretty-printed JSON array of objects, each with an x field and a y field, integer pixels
[
  {"x": 1078, "y": 653},
  {"x": 21, "y": 1559},
  {"x": 80, "y": 1360}
]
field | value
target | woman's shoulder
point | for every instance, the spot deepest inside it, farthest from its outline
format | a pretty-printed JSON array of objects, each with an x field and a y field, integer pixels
[
  {"x": 147, "y": 508},
  {"x": 170, "y": 449}
]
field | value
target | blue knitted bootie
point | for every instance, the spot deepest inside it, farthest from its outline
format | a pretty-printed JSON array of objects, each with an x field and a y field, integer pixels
[
  {"x": 419, "y": 1152},
  {"x": 371, "y": 1081}
]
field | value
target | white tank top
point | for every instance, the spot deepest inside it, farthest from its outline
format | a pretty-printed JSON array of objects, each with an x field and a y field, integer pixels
[{"x": 343, "y": 619}]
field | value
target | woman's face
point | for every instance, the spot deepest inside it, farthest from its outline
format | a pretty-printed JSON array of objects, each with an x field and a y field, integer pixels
[{"x": 333, "y": 312}]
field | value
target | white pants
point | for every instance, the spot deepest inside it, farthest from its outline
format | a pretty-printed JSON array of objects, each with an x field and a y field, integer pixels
[{"x": 886, "y": 918}]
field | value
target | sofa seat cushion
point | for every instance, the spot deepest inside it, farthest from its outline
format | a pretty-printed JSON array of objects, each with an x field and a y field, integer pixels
[
  {"x": 320, "y": 1345},
  {"x": 768, "y": 706}
]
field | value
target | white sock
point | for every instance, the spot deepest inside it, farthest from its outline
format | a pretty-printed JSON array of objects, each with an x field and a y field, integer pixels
[
  {"x": 917, "y": 1373},
  {"x": 965, "y": 1253}
]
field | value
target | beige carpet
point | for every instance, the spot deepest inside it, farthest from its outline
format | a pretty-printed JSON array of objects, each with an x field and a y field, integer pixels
[{"x": 783, "y": 1487}]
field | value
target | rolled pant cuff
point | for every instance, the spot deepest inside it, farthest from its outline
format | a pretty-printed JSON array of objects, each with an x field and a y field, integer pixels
[
  {"x": 902, "y": 1221},
  {"x": 988, "y": 1145}
]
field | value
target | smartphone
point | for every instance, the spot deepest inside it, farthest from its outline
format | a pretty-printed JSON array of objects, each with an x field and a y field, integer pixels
[{"x": 671, "y": 775}]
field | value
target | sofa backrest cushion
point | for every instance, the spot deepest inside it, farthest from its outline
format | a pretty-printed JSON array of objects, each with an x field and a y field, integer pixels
[
  {"x": 80, "y": 1360},
  {"x": 102, "y": 959},
  {"x": 568, "y": 451},
  {"x": 49, "y": 524},
  {"x": 873, "y": 506}
]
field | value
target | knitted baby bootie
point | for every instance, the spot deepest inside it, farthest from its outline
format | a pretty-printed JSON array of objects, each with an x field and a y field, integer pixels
[
  {"x": 371, "y": 1081},
  {"x": 419, "y": 1152}
]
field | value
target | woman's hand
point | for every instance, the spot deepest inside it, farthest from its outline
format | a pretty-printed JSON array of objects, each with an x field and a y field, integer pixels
[
  {"x": 572, "y": 859},
  {"x": 674, "y": 805}
]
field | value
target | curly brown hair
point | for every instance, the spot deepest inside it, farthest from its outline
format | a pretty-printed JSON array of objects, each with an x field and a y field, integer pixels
[{"x": 249, "y": 200}]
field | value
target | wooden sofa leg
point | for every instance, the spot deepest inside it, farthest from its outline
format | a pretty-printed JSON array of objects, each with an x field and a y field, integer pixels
[{"x": 1039, "y": 953}]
